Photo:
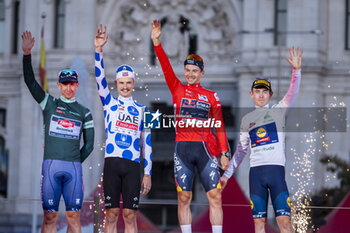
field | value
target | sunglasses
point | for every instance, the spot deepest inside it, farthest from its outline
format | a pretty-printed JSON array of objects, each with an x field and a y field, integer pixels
[
  {"x": 194, "y": 57},
  {"x": 68, "y": 73}
]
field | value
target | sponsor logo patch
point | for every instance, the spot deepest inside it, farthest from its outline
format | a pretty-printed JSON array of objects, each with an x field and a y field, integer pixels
[
  {"x": 66, "y": 123},
  {"x": 202, "y": 97}
]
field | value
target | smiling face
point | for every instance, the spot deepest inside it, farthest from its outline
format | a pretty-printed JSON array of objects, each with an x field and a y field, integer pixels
[
  {"x": 125, "y": 86},
  {"x": 260, "y": 96},
  {"x": 68, "y": 89},
  {"x": 193, "y": 74}
]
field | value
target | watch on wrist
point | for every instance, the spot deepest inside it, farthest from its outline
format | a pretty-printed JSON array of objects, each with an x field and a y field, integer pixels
[{"x": 227, "y": 155}]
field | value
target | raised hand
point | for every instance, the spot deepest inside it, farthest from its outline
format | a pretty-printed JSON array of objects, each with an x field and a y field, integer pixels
[
  {"x": 156, "y": 32},
  {"x": 295, "y": 58},
  {"x": 100, "y": 39},
  {"x": 27, "y": 42}
]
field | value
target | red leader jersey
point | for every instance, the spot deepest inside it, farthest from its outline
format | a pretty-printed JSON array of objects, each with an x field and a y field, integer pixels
[{"x": 197, "y": 110}]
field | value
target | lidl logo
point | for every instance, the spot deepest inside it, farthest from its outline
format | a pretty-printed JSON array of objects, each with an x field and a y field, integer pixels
[
  {"x": 261, "y": 132},
  {"x": 288, "y": 201},
  {"x": 251, "y": 204},
  {"x": 152, "y": 120}
]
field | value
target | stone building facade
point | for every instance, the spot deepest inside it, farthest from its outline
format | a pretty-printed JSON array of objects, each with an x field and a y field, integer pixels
[{"x": 239, "y": 40}]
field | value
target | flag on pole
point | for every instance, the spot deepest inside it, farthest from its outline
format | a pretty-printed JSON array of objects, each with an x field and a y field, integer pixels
[{"x": 43, "y": 78}]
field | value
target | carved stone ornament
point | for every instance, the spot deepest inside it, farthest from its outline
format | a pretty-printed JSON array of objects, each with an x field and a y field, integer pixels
[{"x": 209, "y": 23}]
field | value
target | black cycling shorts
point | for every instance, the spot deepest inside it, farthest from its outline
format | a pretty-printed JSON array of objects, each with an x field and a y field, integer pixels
[
  {"x": 190, "y": 154},
  {"x": 121, "y": 176}
]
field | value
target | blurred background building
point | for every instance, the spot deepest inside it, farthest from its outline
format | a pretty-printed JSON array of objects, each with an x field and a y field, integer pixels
[{"x": 238, "y": 40}]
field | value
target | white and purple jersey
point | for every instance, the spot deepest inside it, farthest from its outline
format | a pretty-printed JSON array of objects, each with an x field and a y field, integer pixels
[
  {"x": 123, "y": 123},
  {"x": 262, "y": 130}
]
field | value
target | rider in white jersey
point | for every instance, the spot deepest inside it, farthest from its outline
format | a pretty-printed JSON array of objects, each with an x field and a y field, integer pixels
[{"x": 262, "y": 130}]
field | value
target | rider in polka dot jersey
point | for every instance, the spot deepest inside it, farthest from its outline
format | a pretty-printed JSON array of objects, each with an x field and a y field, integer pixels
[{"x": 125, "y": 136}]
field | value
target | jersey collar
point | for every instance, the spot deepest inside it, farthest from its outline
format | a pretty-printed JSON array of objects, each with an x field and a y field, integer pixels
[
  {"x": 125, "y": 99},
  {"x": 266, "y": 106},
  {"x": 194, "y": 85},
  {"x": 68, "y": 101}
]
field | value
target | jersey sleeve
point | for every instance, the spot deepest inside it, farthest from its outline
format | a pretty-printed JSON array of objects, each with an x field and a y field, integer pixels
[
  {"x": 88, "y": 136},
  {"x": 102, "y": 85},
  {"x": 172, "y": 81},
  {"x": 35, "y": 89},
  {"x": 217, "y": 116},
  {"x": 240, "y": 152},
  {"x": 146, "y": 147},
  {"x": 292, "y": 92}
]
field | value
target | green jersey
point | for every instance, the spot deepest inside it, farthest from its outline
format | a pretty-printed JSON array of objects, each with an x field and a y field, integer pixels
[{"x": 65, "y": 121}]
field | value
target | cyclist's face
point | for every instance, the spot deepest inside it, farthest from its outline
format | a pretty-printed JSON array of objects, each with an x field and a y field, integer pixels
[
  {"x": 193, "y": 74},
  {"x": 261, "y": 96},
  {"x": 68, "y": 89},
  {"x": 125, "y": 86}
]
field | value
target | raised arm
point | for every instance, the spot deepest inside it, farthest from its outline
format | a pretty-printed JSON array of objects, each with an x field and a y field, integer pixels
[
  {"x": 35, "y": 89},
  {"x": 295, "y": 62},
  {"x": 170, "y": 77},
  {"x": 102, "y": 86},
  {"x": 88, "y": 137}
]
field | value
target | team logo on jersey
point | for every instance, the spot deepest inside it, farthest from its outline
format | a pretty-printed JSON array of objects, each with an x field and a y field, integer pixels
[
  {"x": 121, "y": 107},
  {"x": 59, "y": 111},
  {"x": 123, "y": 141},
  {"x": 188, "y": 103},
  {"x": 133, "y": 111},
  {"x": 263, "y": 135},
  {"x": 216, "y": 97},
  {"x": 261, "y": 132},
  {"x": 203, "y": 105},
  {"x": 288, "y": 201},
  {"x": 152, "y": 120},
  {"x": 64, "y": 127},
  {"x": 202, "y": 97},
  {"x": 195, "y": 108},
  {"x": 66, "y": 123},
  {"x": 188, "y": 93},
  {"x": 251, "y": 124}
]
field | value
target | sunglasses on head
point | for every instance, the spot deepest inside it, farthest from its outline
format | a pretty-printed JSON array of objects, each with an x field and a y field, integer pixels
[
  {"x": 68, "y": 73},
  {"x": 194, "y": 57}
]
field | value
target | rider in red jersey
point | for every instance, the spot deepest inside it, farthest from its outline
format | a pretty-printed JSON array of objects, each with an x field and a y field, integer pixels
[{"x": 197, "y": 110}]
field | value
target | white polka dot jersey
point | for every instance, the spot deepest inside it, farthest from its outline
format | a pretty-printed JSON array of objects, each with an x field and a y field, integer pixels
[{"x": 125, "y": 134}]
